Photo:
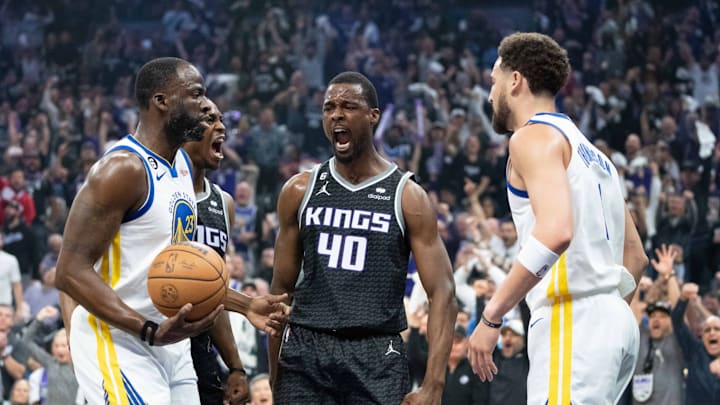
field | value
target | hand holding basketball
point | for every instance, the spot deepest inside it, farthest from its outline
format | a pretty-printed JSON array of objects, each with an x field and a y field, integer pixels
[{"x": 187, "y": 273}]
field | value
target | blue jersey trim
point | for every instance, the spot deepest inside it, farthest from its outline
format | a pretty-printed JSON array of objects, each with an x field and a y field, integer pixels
[
  {"x": 159, "y": 158},
  {"x": 517, "y": 191},
  {"x": 187, "y": 160},
  {"x": 129, "y": 216},
  {"x": 554, "y": 114},
  {"x": 552, "y": 125}
]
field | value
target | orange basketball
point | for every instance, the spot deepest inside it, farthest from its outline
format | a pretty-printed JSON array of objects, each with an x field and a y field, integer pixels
[{"x": 187, "y": 272}]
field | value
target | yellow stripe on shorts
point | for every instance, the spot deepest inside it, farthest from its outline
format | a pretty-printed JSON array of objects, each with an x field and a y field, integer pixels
[
  {"x": 108, "y": 363},
  {"x": 560, "y": 375}
]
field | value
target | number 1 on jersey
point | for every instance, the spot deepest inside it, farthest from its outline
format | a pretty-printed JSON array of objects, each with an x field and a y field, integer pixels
[
  {"x": 346, "y": 250},
  {"x": 602, "y": 205}
]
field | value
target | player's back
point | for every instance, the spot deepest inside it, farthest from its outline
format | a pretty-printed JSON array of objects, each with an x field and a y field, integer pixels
[
  {"x": 167, "y": 216},
  {"x": 355, "y": 253},
  {"x": 593, "y": 261}
]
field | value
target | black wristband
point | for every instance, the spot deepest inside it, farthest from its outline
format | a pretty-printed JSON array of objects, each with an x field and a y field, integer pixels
[
  {"x": 237, "y": 370},
  {"x": 150, "y": 337},
  {"x": 488, "y": 323}
]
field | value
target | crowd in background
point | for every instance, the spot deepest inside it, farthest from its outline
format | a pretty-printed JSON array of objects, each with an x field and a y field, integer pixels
[{"x": 644, "y": 88}]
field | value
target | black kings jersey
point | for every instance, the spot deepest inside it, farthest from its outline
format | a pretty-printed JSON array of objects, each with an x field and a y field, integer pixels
[
  {"x": 355, "y": 253},
  {"x": 213, "y": 221}
]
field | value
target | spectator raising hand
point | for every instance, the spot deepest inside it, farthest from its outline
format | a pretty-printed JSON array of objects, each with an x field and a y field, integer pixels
[
  {"x": 689, "y": 292},
  {"x": 665, "y": 259}
]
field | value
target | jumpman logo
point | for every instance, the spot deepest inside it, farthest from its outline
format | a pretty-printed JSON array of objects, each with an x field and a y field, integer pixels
[
  {"x": 323, "y": 189},
  {"x": 391, "y": 350}
]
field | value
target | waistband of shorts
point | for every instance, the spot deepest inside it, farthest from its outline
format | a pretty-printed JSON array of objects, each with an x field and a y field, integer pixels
[
  {"x": 346, "y": 333},
  {"x": 548, "y": 301}
]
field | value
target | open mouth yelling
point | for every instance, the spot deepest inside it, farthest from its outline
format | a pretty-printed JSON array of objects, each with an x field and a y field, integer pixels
[
  {"x": 217, "y": 147},
  {"x": 342, "y": 139}
]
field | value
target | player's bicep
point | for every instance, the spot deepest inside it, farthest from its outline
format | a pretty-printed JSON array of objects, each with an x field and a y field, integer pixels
[
  {"x": 538, "y": 158},
  {"x": 434, "y": 267},
  {"x": 288, "y": 246},
  {"x": 113, "y": 188}
]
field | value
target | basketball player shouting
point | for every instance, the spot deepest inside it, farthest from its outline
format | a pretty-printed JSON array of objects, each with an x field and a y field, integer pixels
[
  {"x": 215, "y": 213},
  {"x": 351, "y": 224},
  {"x": 136, "y": 200},
  {"x": 577, "y": 240}
]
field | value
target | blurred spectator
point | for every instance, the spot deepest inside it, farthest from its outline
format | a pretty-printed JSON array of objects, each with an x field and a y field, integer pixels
[
  {"x": 513, "y": 365},
  {"x": 243, "y": 230},
  {"x": 249, "y": 341},
  {"x": 19, "y": 393},
  {"x": 20, "y": 241},
  {"x": 43, "y": 293},
  {"x": 10, "y": 285},
  {"x": 267, "y": 145},
  {"x": 506, "y": 244},
  {"x": 260, "y": 391},
  {"x": 236, "y": 270},
  {"x": 677, "y": 219},
  {"x": 462, "y": 386},
  {"x": 17, "y": 191},
  {"x": 701, "y": 355},
  {"x": 416, "y": 344},
  {"x": 468, "y": 167},
  {"x": 264, "y": 270},
  {"x": 658, "y": 377},
  {"x": 55, "y": 381},
  {"x": 15, "y": 355},
  {"x": 54, "y": 245}
]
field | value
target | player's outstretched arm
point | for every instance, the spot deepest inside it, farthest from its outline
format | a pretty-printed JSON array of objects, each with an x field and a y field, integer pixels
[
  {"x": 539, "y": 158},
  {"x": 435, "y": 273},
  {"x": 115, "y": 185},
  {"x": 268, "y": 312},
  {"x": 288, "y": 248}
]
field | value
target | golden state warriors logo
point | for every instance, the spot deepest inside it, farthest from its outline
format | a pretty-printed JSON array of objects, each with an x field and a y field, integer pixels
[{"x": 184, "y": 222}]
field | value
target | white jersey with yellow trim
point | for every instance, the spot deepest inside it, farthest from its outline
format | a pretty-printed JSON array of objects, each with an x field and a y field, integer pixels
[
  {"x": 593, "y": 262},
  {"x": 167, "y": 216}
]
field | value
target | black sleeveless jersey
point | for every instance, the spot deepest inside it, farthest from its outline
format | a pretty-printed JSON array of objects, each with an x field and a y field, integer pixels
[
  {"x": 355, "y": 253},
  {"x": 213, "y": 220}
]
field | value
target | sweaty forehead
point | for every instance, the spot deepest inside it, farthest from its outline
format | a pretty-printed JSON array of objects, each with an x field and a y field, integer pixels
[{"x": 344, "y": 91}]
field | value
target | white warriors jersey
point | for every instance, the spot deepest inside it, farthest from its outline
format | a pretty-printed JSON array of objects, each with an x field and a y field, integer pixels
[
  {"x": 167, "y": 216},
  {"x": 592, "y": 263}
]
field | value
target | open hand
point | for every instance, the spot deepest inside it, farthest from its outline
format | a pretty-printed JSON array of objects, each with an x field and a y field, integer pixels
[
  {"x": 269, "y": 313},
  {"x": 176, "y": 328},
  {"x": 666, "y": 257},
  {"x": 482, "y": 342}
]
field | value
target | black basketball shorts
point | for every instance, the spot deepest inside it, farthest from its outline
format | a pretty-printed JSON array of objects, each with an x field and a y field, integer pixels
[{"x": 318, "y": 367}]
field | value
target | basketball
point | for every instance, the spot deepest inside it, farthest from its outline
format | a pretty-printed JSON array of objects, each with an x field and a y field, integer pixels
[{"x": 187, "y": 272}]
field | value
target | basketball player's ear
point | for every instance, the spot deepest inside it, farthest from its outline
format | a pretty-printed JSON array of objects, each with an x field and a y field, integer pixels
[
  {"x": 374, "y": 116},
  {"x": 516, "y": 80},
  {"x": 160, "y": 101}
]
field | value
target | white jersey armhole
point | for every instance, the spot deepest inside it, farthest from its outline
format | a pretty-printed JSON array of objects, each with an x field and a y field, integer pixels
[
  {"x": 308, "y": 192},
  {"x": 398, "y": 201}
]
